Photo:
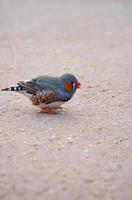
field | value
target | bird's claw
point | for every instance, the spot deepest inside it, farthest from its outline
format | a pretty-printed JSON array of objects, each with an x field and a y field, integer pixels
[{"x": 51, "y": 110}]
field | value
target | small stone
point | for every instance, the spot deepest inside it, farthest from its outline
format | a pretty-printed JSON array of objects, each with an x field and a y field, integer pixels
[
  {"x": 54, "y": 135},
  {"x": 98, "y": 142},
  {"x": 73, "y": 136},
  {"x": 59, "y": 143},
  {"x": 70, "y": 140},
  {"x": 89, "y": 86},
  {"x": 99, "y": 129},
  {"x": 34, "y": 145},
  {"x": 116, "y": 142},
  {"x": 60, "y": 125},
  {"x": 50, "y": 129},
  {"x": 60, "y": 148},
  {"x": 21, "y": 129},
  {"x": 64, "y": 188},
  {"x": 51, "y": 139},
  {"x": 34, "y": 159},
  {"x": 83, "y": 130},
  {"x": 85, "y": 150},
  {"x": 24, "y": 153},
  {"x": 3, "y": 173},
  {"x": 90, "y": 145},
  {"x": 104, "y": 90},
  {"x": 65, "y": 67}
]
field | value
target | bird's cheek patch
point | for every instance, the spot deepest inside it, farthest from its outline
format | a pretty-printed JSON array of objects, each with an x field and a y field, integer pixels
[{"x": 68, "y": 86}]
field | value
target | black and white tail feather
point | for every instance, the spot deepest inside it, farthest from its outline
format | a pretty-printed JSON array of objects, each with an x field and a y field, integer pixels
[
  {"x": 23, "y": 87},
  {"x": 16, "y": 88}
]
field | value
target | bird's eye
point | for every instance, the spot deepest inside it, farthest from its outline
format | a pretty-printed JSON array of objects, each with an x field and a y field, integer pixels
[
  {"x": 70, "y": 86},
  {"x": 73, "y": 85}
]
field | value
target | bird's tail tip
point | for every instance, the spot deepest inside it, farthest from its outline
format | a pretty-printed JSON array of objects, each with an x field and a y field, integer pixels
[
  {"x": 5, "y": 89},
  {"x": 16, "y": 88}
]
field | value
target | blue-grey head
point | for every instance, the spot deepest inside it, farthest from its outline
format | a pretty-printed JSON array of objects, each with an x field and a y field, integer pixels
[{"x": 66, "y": 86}]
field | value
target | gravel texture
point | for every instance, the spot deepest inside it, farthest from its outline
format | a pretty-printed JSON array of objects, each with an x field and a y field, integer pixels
[{"x": 85, "y": 152}]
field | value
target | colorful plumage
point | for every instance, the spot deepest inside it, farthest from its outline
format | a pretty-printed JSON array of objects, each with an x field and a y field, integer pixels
[{"x": 46, "y": 92}]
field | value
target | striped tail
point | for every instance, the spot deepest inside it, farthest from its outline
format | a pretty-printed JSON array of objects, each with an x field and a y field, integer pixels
[{"x": 16, "y": 88}]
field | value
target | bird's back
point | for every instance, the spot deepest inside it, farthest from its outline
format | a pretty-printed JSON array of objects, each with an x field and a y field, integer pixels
[{"x": 46, "y": 83}]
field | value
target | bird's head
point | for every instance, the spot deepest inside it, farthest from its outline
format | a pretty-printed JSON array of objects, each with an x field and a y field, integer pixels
[{"x": 69, "y": 84}]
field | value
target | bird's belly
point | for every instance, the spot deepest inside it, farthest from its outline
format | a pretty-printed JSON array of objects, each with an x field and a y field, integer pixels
[{"x": 51, "y": 105}]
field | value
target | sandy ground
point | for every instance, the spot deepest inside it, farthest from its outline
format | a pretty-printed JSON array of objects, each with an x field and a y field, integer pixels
[{"x": 84, "y": 153}]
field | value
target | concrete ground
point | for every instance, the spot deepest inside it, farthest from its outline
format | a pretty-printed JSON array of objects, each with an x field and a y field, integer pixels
[{"x": 84, "y": 153}]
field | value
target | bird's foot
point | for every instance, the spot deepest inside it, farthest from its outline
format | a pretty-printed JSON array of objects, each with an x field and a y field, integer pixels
[
  {"x": 59, "y": 108},
  {"x": 51, "y": 110}
]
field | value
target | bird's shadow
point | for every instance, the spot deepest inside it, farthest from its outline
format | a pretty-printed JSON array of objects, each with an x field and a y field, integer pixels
[{"x": 64, "y": 114}]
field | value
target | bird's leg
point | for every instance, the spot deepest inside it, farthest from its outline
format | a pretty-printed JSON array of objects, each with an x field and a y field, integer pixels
[
  {"x": 59, "y": 108},
  {"x": 49, "y": 110}
]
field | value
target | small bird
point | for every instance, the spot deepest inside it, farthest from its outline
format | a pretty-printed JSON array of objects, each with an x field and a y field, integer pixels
[{"x": 46, "y": 92}]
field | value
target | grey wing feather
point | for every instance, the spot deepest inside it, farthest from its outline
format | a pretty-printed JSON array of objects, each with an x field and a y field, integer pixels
[
  {"x": 39, "y": 84},
  {"x": 45, "y": 83},
  {"x": 28, "y": 86}
]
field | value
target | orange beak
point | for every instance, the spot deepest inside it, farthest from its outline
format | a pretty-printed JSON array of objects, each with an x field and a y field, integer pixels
[{"x": 78, "y": 85}]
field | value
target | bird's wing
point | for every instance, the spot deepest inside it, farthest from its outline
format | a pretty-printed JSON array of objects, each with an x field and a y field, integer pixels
[
  {"x": 40, "y": 90},
  {"x": 45, "y": 83},
  {"x": 39, "y": 84}
]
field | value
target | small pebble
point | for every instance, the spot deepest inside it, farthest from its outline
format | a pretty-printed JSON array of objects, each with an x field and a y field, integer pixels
[
  {"x": 21, "y": 129},
  {"x": 3, "y": 173},
  {"x": 34, "y": 145},
  {"x": 60, "y": 148},
  {"x": 34, "y": 159},
  {"x": 60, "y": 125},
  {"x": 87, "y": 155},
  {"x": 90, "y": 145},
  {"x": 50, "y": 129},
  {"x": 116, "y": 142},
  {"x": 99, "y": 129},
  {"x": 83, "y": 130},
  {"x": 104, "y": 90},
  {"x": 70, "y": 139},
  {"x": 65, "y": 67},
  {"x": 89, "y": 86},
  {"x": 51, "y": 139},
  {"x": 59, "y": 143}
]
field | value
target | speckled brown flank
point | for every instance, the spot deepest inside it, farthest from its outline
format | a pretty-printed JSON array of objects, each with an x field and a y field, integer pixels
[{"x": 45, "y": 97}]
